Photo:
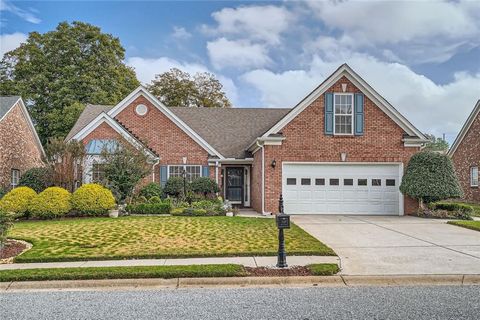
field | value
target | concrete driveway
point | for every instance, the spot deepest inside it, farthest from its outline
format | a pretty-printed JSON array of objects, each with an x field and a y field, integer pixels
[{"x": 375, "y": 245}]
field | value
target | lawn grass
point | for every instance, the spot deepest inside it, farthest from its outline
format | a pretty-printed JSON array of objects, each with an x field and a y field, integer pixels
[
  {"x": 158, "y": 237},
  {"x": 165, "y": 272},
  {"x": 323, "y": 269},
  {"x": 474, "y": 225}
]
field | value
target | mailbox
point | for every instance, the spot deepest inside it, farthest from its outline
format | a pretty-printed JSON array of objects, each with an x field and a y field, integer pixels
[{"x": 283, "y": 221}]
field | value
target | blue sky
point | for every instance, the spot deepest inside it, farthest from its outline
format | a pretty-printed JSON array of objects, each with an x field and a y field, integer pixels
[{"x": 424, "y": 57}]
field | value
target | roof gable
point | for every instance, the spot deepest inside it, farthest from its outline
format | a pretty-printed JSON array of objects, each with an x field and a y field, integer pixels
[
  {"x": 474, "y": 115},
  {"x": 168, "y": 113},
  {"x": 7, "y": 104},
  {"x": 345, "y": 71}
]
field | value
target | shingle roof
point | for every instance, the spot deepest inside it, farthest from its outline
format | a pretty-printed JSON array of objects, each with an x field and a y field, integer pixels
[
  {"x": 228, "y": 130},
  {"x": 90, "y": 112},
  {"x": 6, "y": 103}
]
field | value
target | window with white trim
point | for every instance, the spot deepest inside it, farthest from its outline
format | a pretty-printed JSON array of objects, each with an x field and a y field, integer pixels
[
  {"x": 15, "y": 178},
  {"x": 192, "y": 172},
  {"x": 98, "y": 172},
  {"x": 474, "y": 176},
  {"x": 343, "y": 114}
]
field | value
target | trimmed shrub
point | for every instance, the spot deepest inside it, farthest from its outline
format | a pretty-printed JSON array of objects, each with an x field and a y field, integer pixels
[
  {"x": 174, "y": 187},
  {"x": 430, "y": 177},
  {"x": 37, "y": 178},
  {"x": 18, "y": 201},
  {"x": 149, "y": 208},
  {"x": 213, "y": 207},
  {"x": 151, "y": 190},
  {"x": 5, "y": 224},
  {"x": 192, "y": 212},
  {"x": 177, "y": 211},
  {"x": 93, "y": 199},
  {"x": 204, "y": 186},
  {"x": 449, "y": 210},
  {"x": 52, "y": 202}
]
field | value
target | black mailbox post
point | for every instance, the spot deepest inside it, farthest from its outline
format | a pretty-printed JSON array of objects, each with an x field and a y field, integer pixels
[{"x": 283, "y": 222}]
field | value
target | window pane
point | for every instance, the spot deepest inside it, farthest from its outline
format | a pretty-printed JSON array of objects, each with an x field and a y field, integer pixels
[
  {"x": 306, "y": 181},
  {"x": 320, "y": 182},
  {"x": 334, "y": 182},
  {"x": 362, "y": 182},
  {"x": 348, "y": 182},
  {"x": 474, "y": 176},
  {"x": 390, "y": 182},
  {"x": 376, "y": 182},
  {"x": 291, "y": 181}
]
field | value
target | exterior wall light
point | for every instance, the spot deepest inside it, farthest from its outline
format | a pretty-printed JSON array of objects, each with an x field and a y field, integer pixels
[{"x": 274, "y": 163}]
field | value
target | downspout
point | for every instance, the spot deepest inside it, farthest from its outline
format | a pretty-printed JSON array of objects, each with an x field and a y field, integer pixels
[
  {"x": 153, "y": 168},
  {"x": 263, "y": 178}
]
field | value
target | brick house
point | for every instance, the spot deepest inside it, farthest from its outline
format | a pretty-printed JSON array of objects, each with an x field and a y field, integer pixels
[
  {"x": 20, "y": 147},
  {"x": 465, "y": 154},
  {"x": 342, "y": 149}
]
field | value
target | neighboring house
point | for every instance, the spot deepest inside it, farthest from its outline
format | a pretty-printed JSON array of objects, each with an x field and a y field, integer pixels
[
  {"x": 20, "y": 147},
  {"x": 465, "y": 154},
  {"x": 342, "y": 149}
]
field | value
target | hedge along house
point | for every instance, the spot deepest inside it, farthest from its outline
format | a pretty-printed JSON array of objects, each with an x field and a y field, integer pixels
[
  {"x": 342, "y": 149},
  {"x": 20, "y": 147},
  {"x": 465, "y": 154}
]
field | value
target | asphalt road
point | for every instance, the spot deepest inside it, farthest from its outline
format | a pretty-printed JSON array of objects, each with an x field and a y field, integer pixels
[{"x": 255, "y": 303}]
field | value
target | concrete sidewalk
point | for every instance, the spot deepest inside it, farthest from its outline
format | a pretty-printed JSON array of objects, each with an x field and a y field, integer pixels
[{"x": 246, "y": 261}]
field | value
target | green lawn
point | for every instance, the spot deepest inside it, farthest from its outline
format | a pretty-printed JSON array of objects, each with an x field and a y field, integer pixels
[
  {"x": 158, "y": 237},
  {"x": 474, "y": 225}
]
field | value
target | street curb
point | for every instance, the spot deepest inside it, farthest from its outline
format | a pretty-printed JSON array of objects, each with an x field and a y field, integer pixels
[{"x": 240, "y": 282}]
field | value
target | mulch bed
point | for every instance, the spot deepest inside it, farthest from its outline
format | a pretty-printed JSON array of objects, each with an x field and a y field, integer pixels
[
  {"x": 274, "y": 272},
  {"x": 11, "y": 249}
]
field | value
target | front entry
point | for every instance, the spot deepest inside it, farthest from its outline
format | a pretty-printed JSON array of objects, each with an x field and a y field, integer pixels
[{"x": 234, "y": 185}]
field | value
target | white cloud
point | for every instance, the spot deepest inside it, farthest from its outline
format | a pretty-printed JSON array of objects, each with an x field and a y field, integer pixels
[
  {"x": 146, "y": 69},
  {"x": 432, "y": 107},
  {"x": 423, "y": 31},
  {"x": 27, "y": 15},
  {"x": 240, "y": 54},
  {"x": 9, "y": 42},
  {"x": 259, "y": 23},
  {"x": 181, "y": 33}
]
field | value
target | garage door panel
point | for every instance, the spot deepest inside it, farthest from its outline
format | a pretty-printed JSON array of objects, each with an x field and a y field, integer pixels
[{"x": 346, "y": 188}]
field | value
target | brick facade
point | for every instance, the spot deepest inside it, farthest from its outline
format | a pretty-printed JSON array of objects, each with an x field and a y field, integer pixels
[
  {"x": 306, "y": 141},
  {"x": 467, "y": 155},
  {"x": 18, "y": 149}
]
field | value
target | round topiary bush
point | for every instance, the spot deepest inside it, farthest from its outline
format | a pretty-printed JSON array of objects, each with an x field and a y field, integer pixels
[
  {"x": 53, "y": 202},
  {"x": 430, "y": 177},
  {"x": 17, "y": 201},
  {"x": 37, "y": 178},
  {"x": 174, "y": 187},
  {"x": 151, "y": 190},
  {"x": 205, "y": 186},
  {"x": 93, "y": 199}
]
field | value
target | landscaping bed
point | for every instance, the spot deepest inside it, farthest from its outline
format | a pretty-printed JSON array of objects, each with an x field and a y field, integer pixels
[
  {"x": 473, "y": 225},
  {"x": 11, "y": 249},
  {"x": 164, "y": 272},
  {"x": 158, "y": 237}
]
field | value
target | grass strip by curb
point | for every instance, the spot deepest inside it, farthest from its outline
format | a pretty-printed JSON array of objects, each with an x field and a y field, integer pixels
[
  {"x": 163, "y": 272},
  {"x": 323, "y": 269},
  {"x": 473, "y": 225},
  {"x": 96, "y": 273}
]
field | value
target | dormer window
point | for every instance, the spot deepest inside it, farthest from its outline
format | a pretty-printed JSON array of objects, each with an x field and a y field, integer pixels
[{"x": 343, "y": 113}]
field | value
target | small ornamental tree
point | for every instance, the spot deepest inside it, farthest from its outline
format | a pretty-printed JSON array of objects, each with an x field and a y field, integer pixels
[
  {"x": 430, "y": 177},
  {"x": 151, "y": 190},
  {"x": 204, "y": 186},
  {"x": 174, "y": 187},
  {"x": 124, "y": 167}
]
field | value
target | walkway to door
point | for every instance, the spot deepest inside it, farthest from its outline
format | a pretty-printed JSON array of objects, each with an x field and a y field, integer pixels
[{"x": 375, "y": 245}]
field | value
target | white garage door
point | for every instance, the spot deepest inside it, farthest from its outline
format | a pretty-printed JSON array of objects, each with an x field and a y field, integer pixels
[{"x": 341, "y": 188}]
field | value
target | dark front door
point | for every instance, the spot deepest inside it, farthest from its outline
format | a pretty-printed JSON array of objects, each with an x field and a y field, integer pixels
[{"x": 234, "y": 185}]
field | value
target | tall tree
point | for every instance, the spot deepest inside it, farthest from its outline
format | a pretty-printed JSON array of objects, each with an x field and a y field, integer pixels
[
  {"x": 59, "y": 71},
  {"x": 176, "y": 88},
  {"x": 436, "y": 144}
]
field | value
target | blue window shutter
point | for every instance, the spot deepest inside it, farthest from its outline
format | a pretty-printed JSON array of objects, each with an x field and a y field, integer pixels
[
  {"x": 163, "y": 175},
  {"x": 359, "y": 114},
  {"x": 329, "y": 113},
  {"x": 205, "y": 171}
]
